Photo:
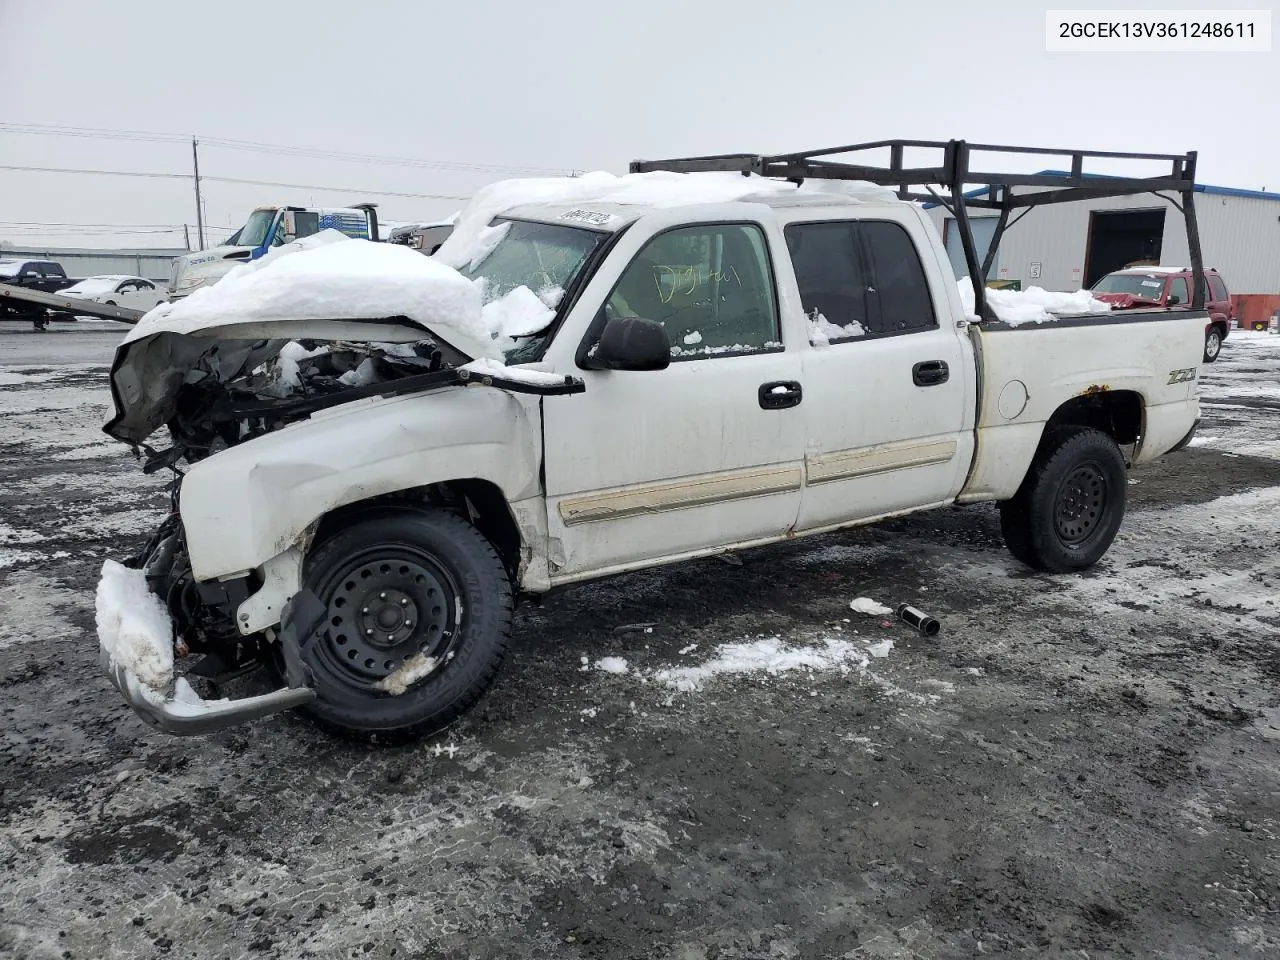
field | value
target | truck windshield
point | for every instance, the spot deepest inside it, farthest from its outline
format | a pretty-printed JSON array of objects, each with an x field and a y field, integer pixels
[
  {"x": 255, "y": 228},
  {"x": 1147, "y": 288},
  {"x": 541, "y": 256},
  {"x": 544, "y": 257}
]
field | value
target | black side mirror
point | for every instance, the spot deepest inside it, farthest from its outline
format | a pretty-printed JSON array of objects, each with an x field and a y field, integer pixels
[
  {"x": 632, "y": 343},
  {"x": 1174, "y": 299}
]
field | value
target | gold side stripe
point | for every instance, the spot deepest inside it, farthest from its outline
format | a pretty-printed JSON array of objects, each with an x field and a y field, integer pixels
[
  {"x": 869, "y": 461},
  {"x": 653, "y": 498}
]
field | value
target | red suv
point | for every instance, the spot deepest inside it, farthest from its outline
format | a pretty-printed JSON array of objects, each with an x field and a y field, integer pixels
[{"x": 1138, "y": 287}]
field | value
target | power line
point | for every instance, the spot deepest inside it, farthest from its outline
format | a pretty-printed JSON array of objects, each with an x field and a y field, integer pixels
[
  {"x": 259, "y": 183},
  {"x": 305, "y": 186},
  {"x": 105, "y": 173},
  {"x": 272, "y": 148}
]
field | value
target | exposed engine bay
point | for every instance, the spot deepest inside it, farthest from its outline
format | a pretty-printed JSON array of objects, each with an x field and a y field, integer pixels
[{"x": 214, "y": 394}]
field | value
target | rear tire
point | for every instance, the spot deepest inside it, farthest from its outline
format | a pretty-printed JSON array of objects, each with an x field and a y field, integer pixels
[
  {"x": 1071, "y": 504},
  {"x": 1212, "y": 344},
  {"x": 405, "y": 587}
]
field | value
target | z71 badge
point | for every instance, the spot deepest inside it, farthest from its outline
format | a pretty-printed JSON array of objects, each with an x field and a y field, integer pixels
[{"x": 1181, "y": 376}]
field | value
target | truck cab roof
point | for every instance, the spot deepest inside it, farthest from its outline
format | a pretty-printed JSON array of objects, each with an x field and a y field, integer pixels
[{"x": 612, "y": 216}]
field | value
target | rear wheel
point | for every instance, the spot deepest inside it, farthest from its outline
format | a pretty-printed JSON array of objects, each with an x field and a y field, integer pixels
[
  {"x": 418, "y": 613},
  {"x": 1071, "y": 504},
  {"x": 1212, "y": 344}
]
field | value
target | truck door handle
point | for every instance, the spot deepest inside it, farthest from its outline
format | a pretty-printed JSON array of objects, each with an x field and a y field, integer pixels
[
  {"x": 930, "y": 373},
  {"x": 779, "y": 394}
]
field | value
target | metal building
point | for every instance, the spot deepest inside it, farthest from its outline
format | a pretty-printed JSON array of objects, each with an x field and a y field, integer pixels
[
  {"x": 1067, "y": 246},
  {"x": 85, "y": 262}
]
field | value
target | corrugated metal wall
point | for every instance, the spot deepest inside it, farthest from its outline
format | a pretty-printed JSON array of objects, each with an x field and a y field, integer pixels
[
  {"x": 1240, "y": 236},
  {"x": 81, "y": 262}
]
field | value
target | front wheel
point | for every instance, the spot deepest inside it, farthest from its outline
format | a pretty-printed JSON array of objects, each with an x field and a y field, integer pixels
[
  {"x": 418, "y": 614},
  {"x": 1071, "y": 504},
  {"x": 1212, "y": 344}
]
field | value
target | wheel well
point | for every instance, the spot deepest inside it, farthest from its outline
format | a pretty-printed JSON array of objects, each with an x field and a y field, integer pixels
[
  {"x": 1117, "y": 413},
  {"x": 480, "y": 502}
]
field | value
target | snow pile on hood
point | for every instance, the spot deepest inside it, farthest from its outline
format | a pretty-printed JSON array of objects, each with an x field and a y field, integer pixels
[
  {"x": 658, "y": 189},
  {"x": 133, "y": 626},
  {"x": 1033, "y": 305},
  {"x": 327, "y": 276}
]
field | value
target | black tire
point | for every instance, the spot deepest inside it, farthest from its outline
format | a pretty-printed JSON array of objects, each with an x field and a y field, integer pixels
[
  {"x": 1071, "y": 504},
  {"x": 1212, "y": 344},
  {"x": 438, "y": 589}
]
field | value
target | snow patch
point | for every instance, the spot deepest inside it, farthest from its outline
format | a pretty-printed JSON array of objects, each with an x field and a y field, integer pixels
[
  {"x": 1033, "y": 305},
  {"x": 612, "y": 665},
  {"x": 487, "y": 367},
  {"x": 518, "y": 313},
  {"x": 407, "y": 674},
  {"x": 487, "y": 241},
  {"x": 868, "y": 606},
  {"x": 767, "y": 655},
  {"x": 822, "y": 331},
  {"x": 133, "y": 626}
]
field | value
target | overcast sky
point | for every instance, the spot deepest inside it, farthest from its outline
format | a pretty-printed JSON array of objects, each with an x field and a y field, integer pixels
[{"x": 561, "y": 85}]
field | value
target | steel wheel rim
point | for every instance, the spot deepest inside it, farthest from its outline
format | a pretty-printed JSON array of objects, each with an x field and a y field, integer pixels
[
  {"x": 1214, "y": 344},
  {"x": 383, "y": 607},
  {"x": 1080, "y": 504}
]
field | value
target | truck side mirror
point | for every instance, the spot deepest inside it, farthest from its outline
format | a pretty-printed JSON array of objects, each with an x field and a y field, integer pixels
[{"x": 632, "y": 343}]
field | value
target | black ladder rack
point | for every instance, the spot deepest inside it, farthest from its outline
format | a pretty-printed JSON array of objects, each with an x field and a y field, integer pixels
[{"x": 954, "y": 171}]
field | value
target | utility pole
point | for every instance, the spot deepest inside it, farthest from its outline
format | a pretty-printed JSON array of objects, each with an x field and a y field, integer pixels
[
  {"x": 186, "y": 236},
  {"x": 195, "y": 161}
]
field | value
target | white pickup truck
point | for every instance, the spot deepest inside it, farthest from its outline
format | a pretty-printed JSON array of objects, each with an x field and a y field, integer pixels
[{"x": 699, "y": 363}]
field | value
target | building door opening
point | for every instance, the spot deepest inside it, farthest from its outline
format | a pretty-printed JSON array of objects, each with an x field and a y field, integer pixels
[{"x": 1120, "y": 238}]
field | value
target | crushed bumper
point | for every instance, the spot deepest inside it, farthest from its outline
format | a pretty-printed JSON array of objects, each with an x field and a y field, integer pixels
[
  {"x": 135, "y": 640},
  {"x": 185, "y": 713}
]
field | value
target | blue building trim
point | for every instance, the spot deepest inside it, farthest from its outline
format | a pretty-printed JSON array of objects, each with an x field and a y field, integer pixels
[{"x": 1200, "y": 188}]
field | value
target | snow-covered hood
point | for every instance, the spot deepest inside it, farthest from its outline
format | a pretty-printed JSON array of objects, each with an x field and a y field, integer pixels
[{"x": 326, "y": 287}]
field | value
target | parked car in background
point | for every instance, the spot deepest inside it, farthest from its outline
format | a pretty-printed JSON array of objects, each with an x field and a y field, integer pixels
[
  {"x": 117, "y": 290},
  {"x": 1145, "y": 287},
  {"x": 44, "y": 275}
]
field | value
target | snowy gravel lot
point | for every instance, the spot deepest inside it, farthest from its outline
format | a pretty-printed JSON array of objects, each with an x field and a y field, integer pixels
[{"x": 1079, "y": 766}]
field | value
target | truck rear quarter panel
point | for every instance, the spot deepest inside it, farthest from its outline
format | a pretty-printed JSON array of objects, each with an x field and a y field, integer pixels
[{"x": 1030, "y": 371}]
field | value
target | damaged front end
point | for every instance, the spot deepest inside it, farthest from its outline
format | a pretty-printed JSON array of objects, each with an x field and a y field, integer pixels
[
  {"x": 209, "y": 395},
  {"x": 182, "y": 399}
]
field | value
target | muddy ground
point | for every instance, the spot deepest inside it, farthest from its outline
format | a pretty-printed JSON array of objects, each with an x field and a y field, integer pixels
[{"x": 1079, "y": 766}]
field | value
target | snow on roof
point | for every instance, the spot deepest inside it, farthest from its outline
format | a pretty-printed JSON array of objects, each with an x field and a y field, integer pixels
[
  {"x": 1153, "y": 270},
  {"x": 629, "y": 196}
]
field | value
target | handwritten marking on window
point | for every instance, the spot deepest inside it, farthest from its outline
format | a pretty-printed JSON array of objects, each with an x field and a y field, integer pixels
[{"x": 686, "y": 280}]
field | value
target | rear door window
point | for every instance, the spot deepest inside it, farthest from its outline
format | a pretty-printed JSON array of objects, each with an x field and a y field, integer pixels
[
  {"x": 898, "y": 299},
  {"x": 832, "y": 278},
  {"x": 1218, "y": 288}
]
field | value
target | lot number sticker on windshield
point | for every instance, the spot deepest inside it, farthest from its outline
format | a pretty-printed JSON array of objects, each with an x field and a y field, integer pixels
[
  {"x": 1153, "y": 283},
  {"x": 587, "y": 216}
]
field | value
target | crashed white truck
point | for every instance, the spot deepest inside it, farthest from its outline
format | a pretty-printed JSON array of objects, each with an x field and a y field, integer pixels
[{"x": 379, "y": 454}]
